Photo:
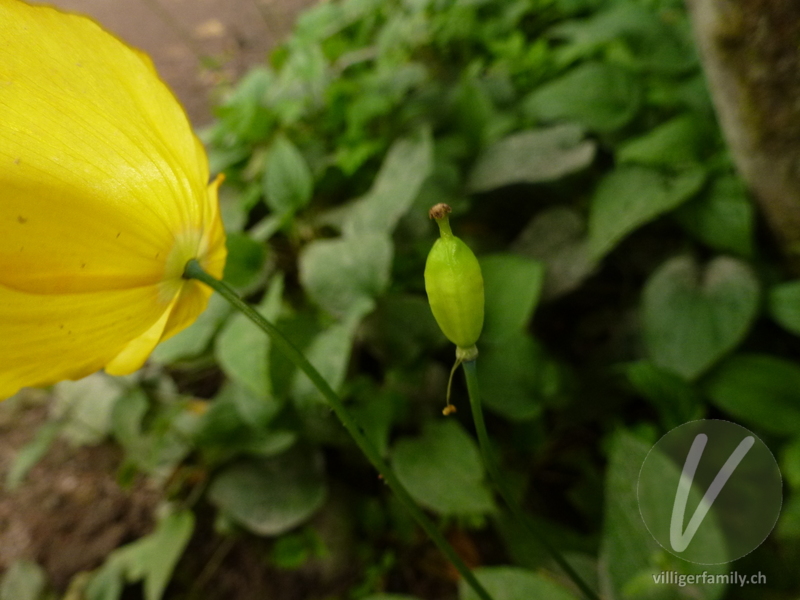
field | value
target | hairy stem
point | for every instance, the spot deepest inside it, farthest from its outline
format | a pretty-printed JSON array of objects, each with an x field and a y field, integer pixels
[{"x": 282, "y": 343}]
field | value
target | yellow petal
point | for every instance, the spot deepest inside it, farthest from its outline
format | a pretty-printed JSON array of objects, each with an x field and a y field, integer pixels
[
  {"x": 94, "y": 149},
  {"x": 137, "y": 350},
  {"x": 104, "y": 196},
  {"x": 47, "y": 338}
]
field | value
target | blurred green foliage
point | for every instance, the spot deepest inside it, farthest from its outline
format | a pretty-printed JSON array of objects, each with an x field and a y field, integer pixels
[{"x": 626, "y": 293}]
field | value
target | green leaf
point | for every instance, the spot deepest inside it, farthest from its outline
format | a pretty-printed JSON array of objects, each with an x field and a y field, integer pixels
[
  {"x": 228, "y": 424},
  {"x": 761, "y": 390},
  {"x": 722, "y": 217},
  {"x": 516, "y": 377},
  {"x": 557, "y": 237},
  {"x": 512, "y": 286},
  {"x": 790, "y": 463},
  {"x": 193, "y": 340},
  {"x": 599, "y": 96},
  {"x": 242, "y": 350},
  {"x": 532, "y": 156},
  {"x": 514, "y": 583},
  {"x": 375, "y": 415},
  {"x": 223, "y": 432},
  {"x": 245, "y": 262},
  {"x": 679, "y": 141},
  {"x": 274, "y": 495},
  {"x": 85, "y": 407},
  {"x": 301, "y": 84},
  {"x": 256, "y": 411},
  {"x": 23, "y": 580},
  {"x": 442, "y": 470},
  {"x": 156, "y": 444},
  {"x": 346, "y": 271},
  {"x": 635, "y": 34},
  {"x": 630, "y": 197},
  {"x": 107, "y": 583},
  {"x": 473, "y": 111},
  {"x": 784, "y": 305},
  {"x": 151, "y": 559},
  {"x": 675, "y": 400},
  {"x": 629, "y": 554},
  {"x": 300, "y": 328},
  {"x": 586, "y": 36},
  {"x": 329, "y": 352},
  {"x": 242, "y": 114},
  {"x": 789, "y": 524},
  {"x": 693, "y": 317},
  {"x": 293, "y": 550},
  {"x": 157, "y": 554},
  {"x": 401, "y": 329},
  {"x": 235, "y": 204},
  {"x": 288, "y": 183},
  {"x": 30, "y": 454},
  {"x": 220, "y": 158},
  {"x": 405, "y": 168},
  {"x": 127, "y": 417}
]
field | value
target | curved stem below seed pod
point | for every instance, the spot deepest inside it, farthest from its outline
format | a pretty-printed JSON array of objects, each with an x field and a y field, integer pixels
[
  {"x": 473, "y": 388},
  {"x": 282, "y": 343}
]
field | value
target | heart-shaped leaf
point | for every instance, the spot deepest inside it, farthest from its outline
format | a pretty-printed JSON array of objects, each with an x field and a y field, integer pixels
[
  {"x": 692, "y": 317},
  {"x": 632, "y": 196},
  {"x": 273, "y": 495},
  {"x": 341, "y": 272},
  {"x": 442, "y": 470}
]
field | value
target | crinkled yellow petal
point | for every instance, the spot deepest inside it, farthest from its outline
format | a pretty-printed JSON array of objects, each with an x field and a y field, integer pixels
[{"x": 104, "y": 197}]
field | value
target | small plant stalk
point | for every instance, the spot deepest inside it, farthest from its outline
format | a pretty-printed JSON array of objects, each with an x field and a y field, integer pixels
[
  {"x": 195, "y": 271},
  {"x": 502, "y": 486}
]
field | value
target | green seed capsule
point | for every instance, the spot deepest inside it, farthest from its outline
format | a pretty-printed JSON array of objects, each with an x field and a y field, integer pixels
[{"x": 454, "y": 285}]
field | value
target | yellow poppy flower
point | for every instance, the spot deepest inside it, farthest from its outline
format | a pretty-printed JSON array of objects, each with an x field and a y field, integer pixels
[{"x": 104, "y": 197}]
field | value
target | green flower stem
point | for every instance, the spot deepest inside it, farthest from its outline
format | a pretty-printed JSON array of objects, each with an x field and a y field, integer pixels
[
  {"x": 195, "y": 271},
  {"x": 500, "y": 482}
]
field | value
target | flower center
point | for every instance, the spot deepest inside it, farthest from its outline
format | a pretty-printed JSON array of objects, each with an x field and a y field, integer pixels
[{"x": 188, "y": 245}]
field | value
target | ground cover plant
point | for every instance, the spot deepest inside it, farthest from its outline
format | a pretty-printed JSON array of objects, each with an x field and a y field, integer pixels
[{"x": 629, "y": 287}]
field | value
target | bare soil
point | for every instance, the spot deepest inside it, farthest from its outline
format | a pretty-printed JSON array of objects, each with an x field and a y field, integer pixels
[
  {"x": 70, "y": 512},
  {"x": 195, "y": 44}
]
